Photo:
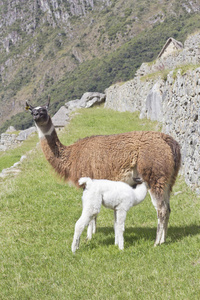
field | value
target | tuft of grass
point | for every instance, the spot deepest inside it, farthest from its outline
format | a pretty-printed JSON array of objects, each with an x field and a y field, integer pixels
[
  {"x": 38, "y": 212},
  {"x": 184, "y": 69},
  {"x": 163, "y": 74},
  {"x": 155, "y": 75}
]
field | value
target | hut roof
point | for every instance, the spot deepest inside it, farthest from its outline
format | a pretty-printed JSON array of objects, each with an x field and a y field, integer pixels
[{"x": 178, "y": 45}]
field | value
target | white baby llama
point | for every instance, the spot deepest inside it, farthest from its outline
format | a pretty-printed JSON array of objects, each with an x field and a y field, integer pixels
[{"x": 116, "y": 195}]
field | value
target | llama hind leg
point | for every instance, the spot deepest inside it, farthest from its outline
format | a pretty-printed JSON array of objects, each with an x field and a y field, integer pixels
[
  {"x": 165, "y": 209},
  {"x": 162, "y": 206},
  {"x": 91, "y": 228},
  {"x": 82, "y": 222},
  {"x": 115, "y": 221}
]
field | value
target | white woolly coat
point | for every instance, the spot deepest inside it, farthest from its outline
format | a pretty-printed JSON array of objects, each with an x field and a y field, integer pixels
[{"x": 112, "y": 194}]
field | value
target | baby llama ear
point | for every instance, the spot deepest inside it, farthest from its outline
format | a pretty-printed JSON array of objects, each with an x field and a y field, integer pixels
[{"x": 28, "y": 106}]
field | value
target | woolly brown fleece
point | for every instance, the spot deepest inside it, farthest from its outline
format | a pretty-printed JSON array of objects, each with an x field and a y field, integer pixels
[{"x": 154, "y": 156}]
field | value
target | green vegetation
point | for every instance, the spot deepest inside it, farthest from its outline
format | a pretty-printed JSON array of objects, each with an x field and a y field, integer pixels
[
  {"x": 121, "y": 65},
  {"x": 38, "y": 214},
  {"x": 115, "y": 26},
  {"x": 99, "y": 73}
]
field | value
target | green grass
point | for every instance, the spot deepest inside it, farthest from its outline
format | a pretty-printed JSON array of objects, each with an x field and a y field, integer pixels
[
  {"x": 38, "y": 212},
  {"x": 9, "y": 157}
]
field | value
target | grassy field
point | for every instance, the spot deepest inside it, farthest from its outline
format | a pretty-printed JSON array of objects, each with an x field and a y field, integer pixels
[{"x": 38, "y": 212}]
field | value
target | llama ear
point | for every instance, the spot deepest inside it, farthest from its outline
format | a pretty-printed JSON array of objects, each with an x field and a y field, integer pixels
[
  {"x": 48, "y": 103},
  {"x": 28, "y": 106}
]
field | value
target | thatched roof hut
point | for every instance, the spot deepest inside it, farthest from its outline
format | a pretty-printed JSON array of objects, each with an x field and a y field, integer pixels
[{"x": 170, "y": 46}]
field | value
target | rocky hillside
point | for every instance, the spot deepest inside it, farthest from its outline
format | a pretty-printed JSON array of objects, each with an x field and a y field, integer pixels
[{"x": 67, "y": 47}]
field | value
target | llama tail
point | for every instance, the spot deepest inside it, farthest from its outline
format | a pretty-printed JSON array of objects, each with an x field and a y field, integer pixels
[
  {"x": 141, "y": 191},
  {"x": 176, "y": 152},
  {"x": 85, "y": 181}
]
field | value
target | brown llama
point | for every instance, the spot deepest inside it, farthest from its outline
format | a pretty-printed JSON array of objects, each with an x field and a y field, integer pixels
[{"x": 153, "y": 156}]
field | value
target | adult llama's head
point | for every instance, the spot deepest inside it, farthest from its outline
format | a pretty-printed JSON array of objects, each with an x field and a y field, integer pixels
[{"x": 39, "y": 113}]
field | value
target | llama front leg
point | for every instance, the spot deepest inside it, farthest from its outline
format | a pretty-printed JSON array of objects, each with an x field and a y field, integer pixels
[{"x": 120, "y": 217}]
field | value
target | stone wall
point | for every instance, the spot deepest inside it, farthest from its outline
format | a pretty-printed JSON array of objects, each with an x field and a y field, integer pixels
[
  {"x": 9, "y": 139},
  {"x": 181, "y": 118},
  {"x": 175, "y": 102}
]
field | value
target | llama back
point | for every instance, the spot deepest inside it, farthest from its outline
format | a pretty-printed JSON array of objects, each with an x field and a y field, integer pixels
[
  {"x": 115, "y": 157},
  {"x": 109, "y": 157}
]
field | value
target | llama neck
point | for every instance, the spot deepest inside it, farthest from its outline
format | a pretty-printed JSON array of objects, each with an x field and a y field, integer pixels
[
  {"x": 45, "y": 130},
  {"x": 52, "y": 148},
  {"x": 140, "y": 192}
]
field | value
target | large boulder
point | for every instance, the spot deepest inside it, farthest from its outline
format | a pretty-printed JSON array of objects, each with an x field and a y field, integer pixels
[
  {"x": 88, "y": 99},
  {"x": 61, "y": 118}
]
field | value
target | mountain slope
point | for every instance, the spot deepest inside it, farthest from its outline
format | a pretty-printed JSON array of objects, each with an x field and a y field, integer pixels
[{"x": 68, "y": 47}]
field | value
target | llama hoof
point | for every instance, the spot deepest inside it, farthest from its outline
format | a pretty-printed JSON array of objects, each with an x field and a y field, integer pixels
[
  {"x": 75, "y": 246},
  {"x": 121, "y": 247},
  {"x": 73, "y": 249},
  {"x": 158, "y": 244}
]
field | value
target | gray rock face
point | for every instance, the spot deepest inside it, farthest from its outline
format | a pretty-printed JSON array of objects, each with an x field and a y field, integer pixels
[
  {"x": 88, "y": 99},
  {"x": 61, "y": 118},
  {"x": 154, "y": 103}
]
